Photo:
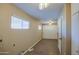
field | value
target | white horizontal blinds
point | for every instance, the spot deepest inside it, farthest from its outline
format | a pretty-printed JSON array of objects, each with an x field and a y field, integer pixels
[
  {"x": 25, "y": 24},
  {"x": 17, "y": 23}
]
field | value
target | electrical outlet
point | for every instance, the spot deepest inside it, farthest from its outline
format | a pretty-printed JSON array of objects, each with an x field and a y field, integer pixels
[
  {"x": 0, "y": 40},
  {"x": 13, "y": 45}
]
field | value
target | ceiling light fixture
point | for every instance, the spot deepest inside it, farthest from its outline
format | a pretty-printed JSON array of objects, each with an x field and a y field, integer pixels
[
  {"x": 50, "y": 22},
  {"x": 43, "y": 6}
]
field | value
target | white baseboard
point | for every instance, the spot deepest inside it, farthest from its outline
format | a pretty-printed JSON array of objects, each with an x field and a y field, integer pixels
[{"x": 30, "y": 48}]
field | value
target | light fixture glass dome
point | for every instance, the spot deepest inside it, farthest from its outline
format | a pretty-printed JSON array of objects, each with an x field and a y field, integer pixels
[{"x": 43, "y": 6}]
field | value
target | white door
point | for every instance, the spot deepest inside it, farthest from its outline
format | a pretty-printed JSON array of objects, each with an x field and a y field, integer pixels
[
  {"x": 49, "y": 31},
  {"x": 75, "y": 34},
  {"x": 60, "y": 34}
]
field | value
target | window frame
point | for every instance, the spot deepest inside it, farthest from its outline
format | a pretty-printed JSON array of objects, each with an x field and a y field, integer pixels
[{"x": 21, "y": 26}]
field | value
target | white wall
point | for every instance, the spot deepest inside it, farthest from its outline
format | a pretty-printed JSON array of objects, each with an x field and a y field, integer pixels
[
  {"x": 50, "y": 31},
  {"x": 22, "y": 39},
  {"x": 75, "y": 29}
]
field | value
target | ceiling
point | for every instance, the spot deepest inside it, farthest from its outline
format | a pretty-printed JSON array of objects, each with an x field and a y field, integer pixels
[{"x": 51, "y": 12}]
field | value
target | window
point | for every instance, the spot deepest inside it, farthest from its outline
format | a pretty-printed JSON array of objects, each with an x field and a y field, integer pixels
[{"x": 17, "y": 23}]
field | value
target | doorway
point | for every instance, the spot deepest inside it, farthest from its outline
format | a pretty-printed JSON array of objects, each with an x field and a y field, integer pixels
[{"x": 49, "y": 31}]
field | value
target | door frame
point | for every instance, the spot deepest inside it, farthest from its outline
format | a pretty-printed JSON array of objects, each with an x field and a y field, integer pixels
[
  {"x": 61, "y": 35},
  {"x": 42, "y": 28}
]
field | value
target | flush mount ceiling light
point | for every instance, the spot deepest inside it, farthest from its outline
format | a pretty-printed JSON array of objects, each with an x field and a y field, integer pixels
[
  {"x": 50, "y": 22},
  {"x": 43, "y": 6}
]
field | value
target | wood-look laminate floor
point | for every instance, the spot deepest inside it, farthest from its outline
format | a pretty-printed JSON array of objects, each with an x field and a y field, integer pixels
[{"x": 45, "y": 47}]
